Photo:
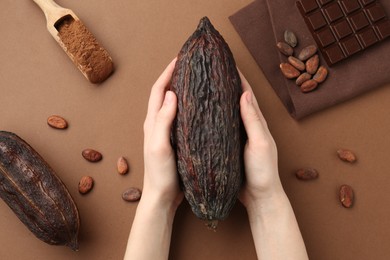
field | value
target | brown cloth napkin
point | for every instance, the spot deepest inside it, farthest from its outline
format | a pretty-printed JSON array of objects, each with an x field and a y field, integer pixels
[{"x": 262, "y": 23}]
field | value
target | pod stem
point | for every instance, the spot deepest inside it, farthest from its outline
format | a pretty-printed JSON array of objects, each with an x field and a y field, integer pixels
[{"x": 212, "y": 224}]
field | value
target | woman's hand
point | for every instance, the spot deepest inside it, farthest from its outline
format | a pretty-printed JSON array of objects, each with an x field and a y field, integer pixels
[
  {"x": 161, "y": 179},
  {"x": 260, "y": 154},
  {"x": 150, "y": 234},
  {"x": 274, "y": 228}
]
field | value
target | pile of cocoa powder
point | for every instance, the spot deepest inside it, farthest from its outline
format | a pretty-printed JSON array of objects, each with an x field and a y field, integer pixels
[{"x": 90, "y": 57}]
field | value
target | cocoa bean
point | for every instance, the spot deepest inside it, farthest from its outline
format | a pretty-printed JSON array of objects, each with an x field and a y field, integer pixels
[
  {"x": 306, "y": 174},
  {"x": 303, "y": 78},
  {"x": 309, "y": 85},
  {"x": 132, "y": 194},
  {"x": 346, "y": 155},
  {"x": 346, "y": 196},
  {"x": 92, "y": 155},
  {"x": 321, "y": 74},
  {"x": 57, "y": 122},
  {"x": 312, "y": 64},
  {"x": 285, "y": 48},
  {"x": 290, "y": 38},
  {"x": 307, "y": 52},
  {"x": 298, "y": 64},
  {"x": 122, "y": 165},
  {"x": 289, "y": 71},
  {"x": 86, "y": 184}
]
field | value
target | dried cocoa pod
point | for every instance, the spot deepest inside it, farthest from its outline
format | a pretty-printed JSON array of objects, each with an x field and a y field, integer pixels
[
  {"x": 35, "y": 193},
  {"x": 207, "y": 134}
]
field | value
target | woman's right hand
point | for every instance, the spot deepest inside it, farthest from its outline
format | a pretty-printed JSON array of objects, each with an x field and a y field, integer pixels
[
  {"x": 260, "y": 154},
  {"x": 273, "y": 224}
]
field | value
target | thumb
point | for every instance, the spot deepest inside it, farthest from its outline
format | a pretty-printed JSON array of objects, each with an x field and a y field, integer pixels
[
  {"x": 252, "y": 118},
  {"x": 164, "y": 118}
]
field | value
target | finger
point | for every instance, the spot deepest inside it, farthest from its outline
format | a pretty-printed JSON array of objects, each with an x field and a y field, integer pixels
[
  {"x": 158, "y": 90},
  {"x": 252, "y": 118},
  {"x": 244, "y": 82},
  {"x": 164, "y": 118},
  {"x": 246, "y": 87}
]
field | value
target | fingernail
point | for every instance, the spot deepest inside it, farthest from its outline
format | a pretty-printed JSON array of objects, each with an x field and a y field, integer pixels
[
  {"x": 168, "y": 98},
  {"x": 249, "y": 97}
]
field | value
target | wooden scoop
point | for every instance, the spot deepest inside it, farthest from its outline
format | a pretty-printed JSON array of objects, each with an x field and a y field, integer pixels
[{"x": 83, "y": 49}]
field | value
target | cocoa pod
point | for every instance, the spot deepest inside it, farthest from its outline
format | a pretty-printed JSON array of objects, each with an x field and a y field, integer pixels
[
  {"x": 303, "y": 78},
  {"x": 306, "y": 174},
  {"x": 346, "y": 196},
  {"x": 307, "y": 52},
  {"x": 308, "y": 86},
  {"x": 57, "y": 122},
  {"x": 207, "y": 134},
  {"x": 298, "y": 64},
  {"x": 289, "y": 71},
  {"x": 321, "y": 74},
  {"x": 36, "y": 194},
  {"x": 346, "y": 155},
  {"x": 284, "y": 48}
]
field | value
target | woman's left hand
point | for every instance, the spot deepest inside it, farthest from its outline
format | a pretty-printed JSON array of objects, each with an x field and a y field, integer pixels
[{"x": 161, "y": 180}]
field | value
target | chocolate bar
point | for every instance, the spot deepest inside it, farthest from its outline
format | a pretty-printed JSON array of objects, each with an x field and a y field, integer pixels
[{"x": 342, "y": 28}]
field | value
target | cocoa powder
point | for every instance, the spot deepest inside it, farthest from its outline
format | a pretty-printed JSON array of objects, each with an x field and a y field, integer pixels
[{"x": 90, "y": 57}]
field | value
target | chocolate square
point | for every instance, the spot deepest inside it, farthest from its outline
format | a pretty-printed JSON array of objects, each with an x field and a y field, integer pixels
[
  {"x": 333, "y": 54},
  {"x": 351, "y": 45},
  {"x": 375, "y": 13},
  {"x": 333, "y": 12},
  {"x": 342, "y": 29},
  {"x": 359, "y": 21},
  {"x": 309, "y": 5},
  {"x": 383, "y": 29},
  {"x": 325, "y": 37},
  {"x": 317, "y": 20},
  {"x": 349, "y": 6},
  {"x": 368, "y": 37}
]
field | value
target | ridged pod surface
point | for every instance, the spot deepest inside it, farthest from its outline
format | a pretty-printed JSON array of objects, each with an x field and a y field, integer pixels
[
  {"x": 207, "y": 133},
  {"x": 37, "y": 196}
]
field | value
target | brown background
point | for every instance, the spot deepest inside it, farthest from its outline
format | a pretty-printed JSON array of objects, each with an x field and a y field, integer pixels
[{"x": 37, "y": 80}]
